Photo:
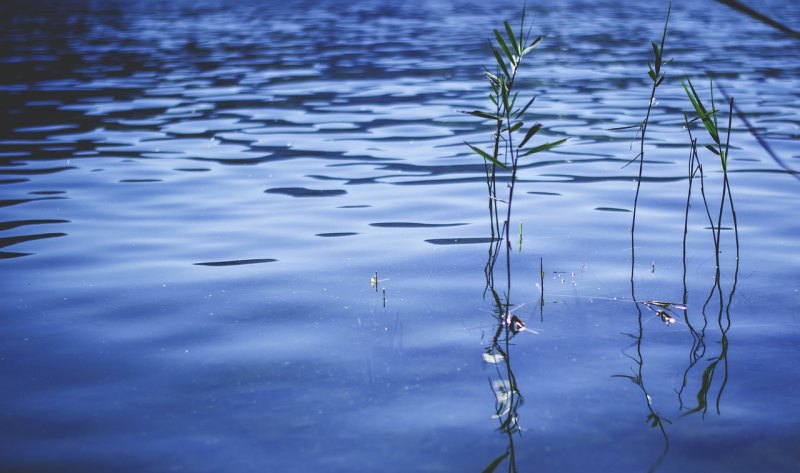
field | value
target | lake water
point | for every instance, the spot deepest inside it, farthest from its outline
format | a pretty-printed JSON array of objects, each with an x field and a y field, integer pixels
[{"x": 195, "y": 196}]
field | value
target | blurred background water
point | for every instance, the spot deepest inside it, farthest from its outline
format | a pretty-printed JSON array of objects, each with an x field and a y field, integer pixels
[{"x": 195, "y": 195}]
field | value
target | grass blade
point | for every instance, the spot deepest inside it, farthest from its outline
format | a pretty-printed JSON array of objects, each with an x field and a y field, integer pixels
[
  {"x": 504, "y": 47},
  {"x": 525, "y": 108},
  {"x": 543, "y": 147},
  {"x": 482, "y": 114},
  {"x": 511, "y": 37},
  {"x": 500, "y": 62},
  {"x": 487, "y": 156}
]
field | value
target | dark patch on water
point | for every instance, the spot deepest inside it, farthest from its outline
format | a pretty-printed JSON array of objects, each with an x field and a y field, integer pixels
[
  {"x": 8, "y": 241},
  {"x": 458, "y": 241},
  {"x": 543, "y": 193},
  {"x": 128, "y": 181},
  {"x": 336, "y": 234},
  {"x": 611, "y": 209},
  {"x": 237, "y": 262},
  {"x": 12, "y": 202},
  {"x": 304, "y": 192},
  {"x": 353, "y": 206},
  {"x": 414, "y": 225},
  {"x": 21, "y": 223},
  {"x": 47, "y": 192}
]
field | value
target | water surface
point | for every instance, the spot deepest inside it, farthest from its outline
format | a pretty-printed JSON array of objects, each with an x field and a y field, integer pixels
[{"x": 195, "y": 195}]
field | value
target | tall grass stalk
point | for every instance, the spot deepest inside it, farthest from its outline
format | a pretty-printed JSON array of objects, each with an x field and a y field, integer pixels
[{"x": 657, "y": 77}]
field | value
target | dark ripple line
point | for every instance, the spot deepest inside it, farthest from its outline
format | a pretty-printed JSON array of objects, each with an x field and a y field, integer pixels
[
  {"x": 304, "y": 192},
  {"x": 414, "y": 225},
  {"x": 8, "y": 241},
  {"x": 21, "y": 223},
  {"x": 458, "y": 241},
  {"x": 238, "y": 262},
  {"x": 336, "y": 234},
  {"x": 9, "y": 203}
]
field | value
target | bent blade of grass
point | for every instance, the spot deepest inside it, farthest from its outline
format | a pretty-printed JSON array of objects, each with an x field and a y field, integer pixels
[
  {"x": 525, "y": 108},
  {"x": 704, "y": 115},
  {"x": 487, "y": 156},
  {"x": 482, "y": 114},
  {"x": 543, "y": 147}
]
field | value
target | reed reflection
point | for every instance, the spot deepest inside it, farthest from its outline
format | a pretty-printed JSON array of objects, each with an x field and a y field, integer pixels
[{"x": 503, "y": 383}]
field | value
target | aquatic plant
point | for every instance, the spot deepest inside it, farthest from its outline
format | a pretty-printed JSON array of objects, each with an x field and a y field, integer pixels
[
  {"x": 719, "y": 148},
  {"x": 508, "y": 48},
  {"x": 657, "y": 77}
]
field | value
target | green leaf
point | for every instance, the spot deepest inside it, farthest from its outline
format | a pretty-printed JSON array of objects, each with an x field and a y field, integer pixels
[
  {"x": 487, "y": 156},
  {"x": 656, "y": 55},
  {"x": 482, "y": 114},
  {"x": 694, "y": 98},
  {"x": 511, "y": 37},
  {"x": 515, "y": 127},
  {"x": 502, "y": 43},
  {"x": 712, "y": 149},
  {"x": 543, "y": 147},
  {"x": 500, "y": 62},
  {"x": 651, "y": 72},
  {"x": 534, "y": 129}
]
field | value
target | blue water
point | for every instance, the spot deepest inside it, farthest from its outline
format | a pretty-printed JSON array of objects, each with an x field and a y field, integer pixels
[{"x": 195, "y": 195}]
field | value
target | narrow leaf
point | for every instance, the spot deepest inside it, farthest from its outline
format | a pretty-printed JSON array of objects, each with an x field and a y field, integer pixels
[
  {"x": 502, "y": 43},
  {"x": 694, "y": 98},
  {"x": 543, "y": 147},
  {"x": 487, "y": 156},
  {"x": 511, "y": 37},
  {"x": 656, "y": 55},
  {"x": 525, "y": 108},
  {"x": 482, "y": 114},
  {"x": 712, "y": 149},
  {"x": 651, "y": 72},
  {"x": 534, "y": 129},
  {"x": 500, "y": 62},
  {"x": 515, "y": 127}
]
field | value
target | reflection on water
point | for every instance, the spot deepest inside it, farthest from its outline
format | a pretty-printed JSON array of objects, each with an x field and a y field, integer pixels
[{"x": 508, "y": 397}]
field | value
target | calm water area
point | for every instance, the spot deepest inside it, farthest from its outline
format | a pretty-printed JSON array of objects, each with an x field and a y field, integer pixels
[{"x": 195, "y": 195}]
